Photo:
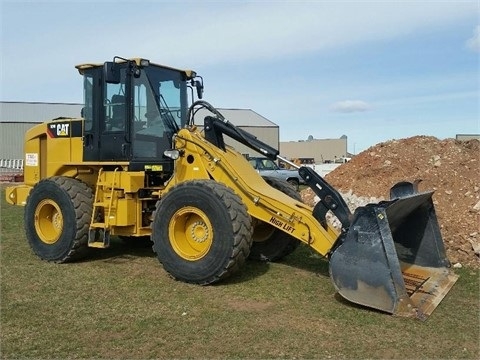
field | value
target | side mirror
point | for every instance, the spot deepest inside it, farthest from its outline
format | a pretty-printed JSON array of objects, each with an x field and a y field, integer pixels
[
  {"x": 199, "y": 86},
  {"x": 111, "y": 73}
]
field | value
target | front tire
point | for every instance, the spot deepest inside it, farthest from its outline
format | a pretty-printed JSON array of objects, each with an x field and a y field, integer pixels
[
  {"x": 57, "y": 218},
  {"x": 201, "y": 232},
  {"x": 269, "y": 242}
]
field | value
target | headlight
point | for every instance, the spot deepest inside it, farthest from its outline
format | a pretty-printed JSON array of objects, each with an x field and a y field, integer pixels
[
  {"x": 172, "y": 154},
  {"x": 144, "y": 62}
]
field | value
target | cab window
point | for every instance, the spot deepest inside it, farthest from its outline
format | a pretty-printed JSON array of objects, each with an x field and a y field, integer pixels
[
  {"x": 115, "y": 105},
  {"x": 87, "y": 110}
]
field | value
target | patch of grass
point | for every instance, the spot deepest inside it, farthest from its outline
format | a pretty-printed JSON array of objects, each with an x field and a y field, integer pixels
[{"x": 119, "y": 303}]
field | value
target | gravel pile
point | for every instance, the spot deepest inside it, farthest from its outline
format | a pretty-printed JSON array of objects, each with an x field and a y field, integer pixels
[{"x": 449, "y": 167}]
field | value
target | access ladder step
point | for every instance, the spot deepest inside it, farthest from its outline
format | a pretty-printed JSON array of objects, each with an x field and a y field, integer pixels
[
  {"x": 103, "y": 204},
  {"x": 98, "y": 238},
  {"x": 107, "y": 184},
  {"x": 98, "y": 225}
]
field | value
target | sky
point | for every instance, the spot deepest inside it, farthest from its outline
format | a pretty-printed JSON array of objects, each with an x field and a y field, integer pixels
[{"x": 371, "y": 70}]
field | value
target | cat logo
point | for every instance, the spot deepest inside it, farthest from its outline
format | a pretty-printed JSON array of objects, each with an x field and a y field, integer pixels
[
  {"x": 62, "y": 129},
  {"x": 59, "y": 130}
]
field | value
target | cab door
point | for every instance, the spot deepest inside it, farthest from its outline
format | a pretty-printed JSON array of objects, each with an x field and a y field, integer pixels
[
  {"x": 114, "y": 121},
  {"x": 91, "y": 113},
  {"x": 106, "y": 114}
]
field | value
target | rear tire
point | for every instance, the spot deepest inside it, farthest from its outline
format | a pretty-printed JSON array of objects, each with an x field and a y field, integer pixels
[
  {"x": 295, "y": 183},
  {"x": 269, "y": 242},
  {"x": 201, "y": 232},
  {"x": 57, "y": 218}
]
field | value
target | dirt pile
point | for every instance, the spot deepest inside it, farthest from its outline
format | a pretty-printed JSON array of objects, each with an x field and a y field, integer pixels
[{"x": 449, "y": 167}]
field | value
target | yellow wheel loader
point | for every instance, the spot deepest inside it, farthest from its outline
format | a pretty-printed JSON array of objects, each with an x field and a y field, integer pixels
[{"x": 136, "y": 165}]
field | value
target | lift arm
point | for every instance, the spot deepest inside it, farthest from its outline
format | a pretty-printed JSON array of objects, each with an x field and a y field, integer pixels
[{"x": 330, "y": 199}]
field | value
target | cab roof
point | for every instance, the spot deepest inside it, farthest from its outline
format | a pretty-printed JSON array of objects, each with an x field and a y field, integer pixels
[{"x": 190, "y": 74}]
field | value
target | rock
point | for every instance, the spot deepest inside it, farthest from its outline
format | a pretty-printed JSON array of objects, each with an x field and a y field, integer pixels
[
  {"x": 477, "y": 206},
  {"x": 457, "y": 266},
  {"x": 436, "y": 161},
  {"x": 475, "y": 247}
]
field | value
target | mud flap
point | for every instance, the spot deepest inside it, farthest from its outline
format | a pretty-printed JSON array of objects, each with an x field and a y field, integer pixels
[{"x": 392, "y": 258}]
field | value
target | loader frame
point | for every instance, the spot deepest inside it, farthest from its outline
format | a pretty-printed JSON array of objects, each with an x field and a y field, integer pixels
[{"x": 75, "y": 199}]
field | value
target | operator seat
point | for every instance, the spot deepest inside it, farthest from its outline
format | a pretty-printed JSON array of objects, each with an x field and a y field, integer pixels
[{"x": 118, "y": 112}]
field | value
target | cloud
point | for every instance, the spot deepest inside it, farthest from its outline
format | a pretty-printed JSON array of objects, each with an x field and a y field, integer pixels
[
  {"x": 350, "y": 106},
  {"x": 474, "y": 42},
  {"x": 202, "y": 35},
  {"x": 214, "y": 33},
  {"x": 432, "y": 98},
  {"x": 259, "y": 31}
]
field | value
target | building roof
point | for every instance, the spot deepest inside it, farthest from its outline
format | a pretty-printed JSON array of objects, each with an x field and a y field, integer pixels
[
  {"x": 466, "y": 137},
  {"x": 36, "y": 112},
  {"x": 238, "y": 117}
]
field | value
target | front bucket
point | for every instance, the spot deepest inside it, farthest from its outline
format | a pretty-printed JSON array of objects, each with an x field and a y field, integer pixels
[{"x": 393, "y": 258}]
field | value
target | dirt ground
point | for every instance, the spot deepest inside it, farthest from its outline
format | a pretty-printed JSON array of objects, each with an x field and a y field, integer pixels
[{"x": 449, "y": 167}]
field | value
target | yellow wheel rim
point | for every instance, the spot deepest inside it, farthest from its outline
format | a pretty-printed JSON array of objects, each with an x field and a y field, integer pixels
[
  {"x": 48, "y": 221},
  {"x": 191, "y": 233},
  {"x": 262, "y": 232}
]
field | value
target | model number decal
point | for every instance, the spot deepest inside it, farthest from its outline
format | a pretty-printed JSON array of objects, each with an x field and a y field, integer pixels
[{"x": 282, "y": 225}]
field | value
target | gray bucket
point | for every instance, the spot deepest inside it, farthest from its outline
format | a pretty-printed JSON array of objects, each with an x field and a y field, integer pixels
[{"x": 392, "y": 258}]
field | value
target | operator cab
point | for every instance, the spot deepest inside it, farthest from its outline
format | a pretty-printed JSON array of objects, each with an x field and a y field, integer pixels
[{"x": 131, "y": 111}]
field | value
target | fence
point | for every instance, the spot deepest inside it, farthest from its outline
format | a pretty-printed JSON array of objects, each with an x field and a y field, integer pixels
[
  {"x": 11, "y": 165},
  {"x": 11, "y": 170}
]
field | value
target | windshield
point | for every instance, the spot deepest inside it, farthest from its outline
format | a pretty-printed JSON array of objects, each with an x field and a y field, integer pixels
[
  {"x": 159, "y": 107},
  {"x": 160, "y": 99}
]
